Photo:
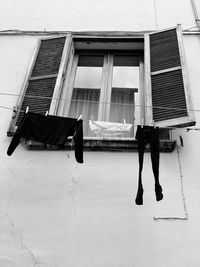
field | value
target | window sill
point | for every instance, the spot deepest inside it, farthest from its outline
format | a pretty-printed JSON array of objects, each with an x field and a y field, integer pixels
[{"x": 103, "y": 144}]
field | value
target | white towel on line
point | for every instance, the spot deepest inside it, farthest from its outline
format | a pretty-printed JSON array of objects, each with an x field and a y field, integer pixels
[{"x": 106, "y": 128}]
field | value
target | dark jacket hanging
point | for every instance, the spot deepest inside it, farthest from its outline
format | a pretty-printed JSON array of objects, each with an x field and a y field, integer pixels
[{"x": 52, "y": 130}]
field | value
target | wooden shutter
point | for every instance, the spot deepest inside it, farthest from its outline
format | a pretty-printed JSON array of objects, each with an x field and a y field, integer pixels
[
  {"x": 43, "y": 83},
  {"x": 167, "y": 88}
]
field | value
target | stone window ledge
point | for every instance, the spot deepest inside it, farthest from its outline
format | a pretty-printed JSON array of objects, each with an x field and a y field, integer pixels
[{"x": 103, "y": 144}]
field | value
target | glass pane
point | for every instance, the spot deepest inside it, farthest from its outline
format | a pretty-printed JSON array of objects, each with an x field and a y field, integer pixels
[
  {"x": 125, "y": 85},
  {"x": 85, "y": 102},
  {"x": 122, "y": 105},
  {"x": 126, "y": 77},
  {"x": 122, "y": 108},
  {"x": 86, "y": 92},
  {"x": 88, "y": 77}
]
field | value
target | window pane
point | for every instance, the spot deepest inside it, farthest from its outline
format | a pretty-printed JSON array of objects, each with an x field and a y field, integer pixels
[
  {"x": 86, "y": 92},
  {"x": 85, "y": 102},
  {"x": 128, "y": 60},
  {"x": 122, "y": 105},
  {"x": 125, "y": 85},
  {"x": 88, "y": 77},
  {"x": 126, "y": 77}
]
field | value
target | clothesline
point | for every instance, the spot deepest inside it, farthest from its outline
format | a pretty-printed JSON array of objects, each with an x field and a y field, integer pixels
[
  {"x": 185, "y": 217},
  {"x": 51, "y": 130},
  {"x": 87, "y": 120},
  {"x": 190, "y": 28},
  {"x": 63, "y": 127},
  {"x": 93, "y": 101}
]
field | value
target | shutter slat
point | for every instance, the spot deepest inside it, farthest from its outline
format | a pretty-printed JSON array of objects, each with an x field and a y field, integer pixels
[
  {"x": 168, "y": 91},
  {"x": 164, "y": 50},
  {"x": 39, "y": 91},
  {"x": 38, "y": 96},
  {"x": 49, "y": 56},
  {"x": 166, "y": 82}
]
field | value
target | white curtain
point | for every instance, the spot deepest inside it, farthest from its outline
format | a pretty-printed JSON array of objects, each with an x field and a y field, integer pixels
[
  {"x": 110, "y": 129},
  {"x": 85, "y": 102},
  {"x": 122, "y": 107}
]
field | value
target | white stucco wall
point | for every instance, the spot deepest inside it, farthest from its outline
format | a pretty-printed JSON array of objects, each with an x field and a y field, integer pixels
[
  {"x": 96, "y": 15},
  {"x": 54, "y": 212}
]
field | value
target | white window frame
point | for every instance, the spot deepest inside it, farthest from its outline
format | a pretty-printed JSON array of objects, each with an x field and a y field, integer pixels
[
  {"x": 105, "y": 87},
  {"x": 113, "y": 41}
]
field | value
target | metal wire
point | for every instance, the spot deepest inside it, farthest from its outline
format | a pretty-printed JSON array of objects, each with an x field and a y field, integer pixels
[
  {"x": 185, "y": 217},
  {"x": 91, "y": 101}
]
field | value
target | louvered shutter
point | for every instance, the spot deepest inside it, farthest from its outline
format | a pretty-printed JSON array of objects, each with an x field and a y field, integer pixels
[
  {"x": 42, "y": 87},
  {"x": 168, "y": 100}
]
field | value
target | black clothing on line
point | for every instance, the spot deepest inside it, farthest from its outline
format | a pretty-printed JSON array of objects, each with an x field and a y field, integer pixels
[
  {"x": 52, "y": 130},
  {"x": 144, "y": 135}
]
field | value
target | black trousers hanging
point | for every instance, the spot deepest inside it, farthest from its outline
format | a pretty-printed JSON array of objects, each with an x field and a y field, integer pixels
[
  {"x": 52, "y": 130},
  {"x": 145, "y": 135}
]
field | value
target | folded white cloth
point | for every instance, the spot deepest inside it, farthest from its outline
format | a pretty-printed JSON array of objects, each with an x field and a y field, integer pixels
[{"x": 106, "y": 128}]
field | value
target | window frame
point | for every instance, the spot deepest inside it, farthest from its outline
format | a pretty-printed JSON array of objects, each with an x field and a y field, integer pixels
[
  {"x": 105, "y": 87},
  {"x": 116, "y": 40}
]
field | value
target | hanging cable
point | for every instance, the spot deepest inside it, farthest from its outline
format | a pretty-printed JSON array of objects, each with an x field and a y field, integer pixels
[
  {"x": 185, "y": 217},
  {"x": 23, "y": 111},
  {"x": 155, "y": 12},
  {"x": 6, "y": 108},
  {"x": 189, "y": 28},
  {"x": 92, "y": 101}
]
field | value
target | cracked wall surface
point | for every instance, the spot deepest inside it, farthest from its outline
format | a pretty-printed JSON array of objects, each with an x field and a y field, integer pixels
[
  {"x": 55, "y": 212},
  {"x": 83, "y": 215}
]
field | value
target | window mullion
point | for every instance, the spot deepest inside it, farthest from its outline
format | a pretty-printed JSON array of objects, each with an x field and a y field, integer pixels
[
  {"x": 147, "y": 90},
  {"x": 109, "y": 86},
  {"x": 103, "y": 89},
  {"x": 141, "y": 108},
  {"x": 69, "y": 85}
]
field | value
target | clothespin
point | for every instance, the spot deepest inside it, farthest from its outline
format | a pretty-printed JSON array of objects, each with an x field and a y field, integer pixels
[
  {"x": 193, "y": 129},
  {"x": 47, "y": 112},
  {"x": 154, "y": 125},
  {"x": 181, "y": 140},
  {"x": 14, "y": 112},
  {"x": 142, "y": 122},
  {"x": 27, "y": 108},
  {"x": 79, "y": 117},
  {"x": 124, "y": 121}
]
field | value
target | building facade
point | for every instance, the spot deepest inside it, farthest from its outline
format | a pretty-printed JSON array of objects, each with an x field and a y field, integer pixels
[{"x": 129, "y": 63}]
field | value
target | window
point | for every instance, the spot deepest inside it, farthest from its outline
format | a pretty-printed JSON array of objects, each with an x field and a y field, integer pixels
[
  {"x": 117, "y": 79},
  {"x": 103, "y": 88}
]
